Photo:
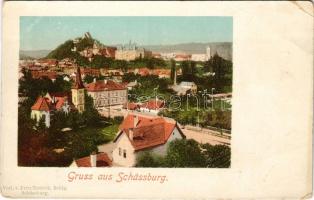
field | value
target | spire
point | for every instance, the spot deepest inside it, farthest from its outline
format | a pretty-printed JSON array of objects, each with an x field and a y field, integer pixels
[{"x": 78, "y": 80}]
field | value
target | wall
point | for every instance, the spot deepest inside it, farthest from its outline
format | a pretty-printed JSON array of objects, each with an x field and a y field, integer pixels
[
  {"x": 162, "y": 149},
  {"x": 124, "y": 143},
  {"x": 37, "y": 114},
  {"x": 101, "y": 98}
]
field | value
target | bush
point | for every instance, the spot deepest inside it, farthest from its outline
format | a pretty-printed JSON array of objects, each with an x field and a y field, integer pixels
[
  {"x": 217, "y": 156},
  {"x": 188, "y": 153},
  {"x": 149, "y": 159}
]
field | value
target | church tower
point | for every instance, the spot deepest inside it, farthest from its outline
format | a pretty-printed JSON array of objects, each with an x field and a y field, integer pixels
[{"x": 78, "y": 92}]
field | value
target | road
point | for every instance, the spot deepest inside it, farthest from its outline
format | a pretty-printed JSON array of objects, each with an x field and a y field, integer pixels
[{"x": 202, "y": 137}]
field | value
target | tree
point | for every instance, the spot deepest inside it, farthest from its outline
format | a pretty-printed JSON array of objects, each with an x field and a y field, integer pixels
[
  {"x": 58, "y": 121},
  {"x": 173, "y": 69},
  {"x": 84, "y": 43},
  {"x": 149, "y": 159},
  {"x": 41, "y": 125},
  {"x": 193, "y": 69},
  {"x": 186, "y": 71},
  {"x": 217, "y": 156},
  {"x": 62, "y": 51},
  {"x": 88, "y": 78},
  {"x": 222, "y": 80},
  {"x": 100, "y": 61},
  {"x": 219, "y": 119},
  {"x": 129, "y": 77},
  {"x": 150, "y": 64},
  {"x": 90, "y": 115},
  {"x": 80, "y": 60},
  {"x": 184, "y": 153}
]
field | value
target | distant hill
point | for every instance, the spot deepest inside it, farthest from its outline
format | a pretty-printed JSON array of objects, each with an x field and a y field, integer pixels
[
  {"x": 33, "y": 53},
  {"x": 224, "y": 49}
]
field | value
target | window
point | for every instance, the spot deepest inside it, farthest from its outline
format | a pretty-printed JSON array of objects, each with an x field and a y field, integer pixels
[
  {"x": 124, "y": 153},
  {"x": 119, "y": 151}
]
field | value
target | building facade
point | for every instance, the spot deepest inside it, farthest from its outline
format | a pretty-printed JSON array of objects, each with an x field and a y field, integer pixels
[
  {"x": 107, "y": 92},
  {"x": 131, "y": 52},
  {"x": 199, "y": 57}
]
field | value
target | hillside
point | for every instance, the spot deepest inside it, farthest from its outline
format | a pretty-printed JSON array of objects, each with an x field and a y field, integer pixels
[
  {"x": 65, "y": 50},
  {"x": 62, "y": 51}
]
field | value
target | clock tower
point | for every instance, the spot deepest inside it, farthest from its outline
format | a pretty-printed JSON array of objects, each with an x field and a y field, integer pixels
[{"x": 78, "y": 92}]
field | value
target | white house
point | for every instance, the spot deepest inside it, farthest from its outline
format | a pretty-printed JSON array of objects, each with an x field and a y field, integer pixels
[
  {"x": 139, "y": 133},
  {"x": 45, "y": 106},
  {"x": 185, "y": 87},
  {"x": 42, "y": 109}
]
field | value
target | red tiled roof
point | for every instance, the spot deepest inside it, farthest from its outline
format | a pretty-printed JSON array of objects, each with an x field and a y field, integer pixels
[
  {"x": 102, "y": 85},
  {"x": 149, "y": 132},
  {"x": 153, "y": 104},
  {"x": 162, "y": 72},
  {"x": 42, "y": 104},
  {"x": 91, "y": 71},
  {"x": 60, "y": 101},
  {"x": 41, "y": 74},
  {"x": 102, "y": 161},
  {"x": 144, "y": 71},
  {"x": 57, "y": 101},
  {"x": 131, "y": 106}
]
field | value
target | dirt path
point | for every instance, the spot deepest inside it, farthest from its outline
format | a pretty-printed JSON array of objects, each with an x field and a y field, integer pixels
[{"x": 205, "y": 137}]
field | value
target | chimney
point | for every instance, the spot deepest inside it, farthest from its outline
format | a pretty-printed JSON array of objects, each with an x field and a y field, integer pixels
[
  {"x": 135, "y": 121},
  {"x": 131, "y": 134},
  {"x": 93, "y": 159}
]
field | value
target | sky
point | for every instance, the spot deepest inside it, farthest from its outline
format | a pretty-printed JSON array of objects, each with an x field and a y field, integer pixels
[{"x": 46, "y": 33}]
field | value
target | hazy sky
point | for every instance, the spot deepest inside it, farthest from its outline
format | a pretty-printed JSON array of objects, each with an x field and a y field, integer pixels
[{"x": 37, "y": 33}]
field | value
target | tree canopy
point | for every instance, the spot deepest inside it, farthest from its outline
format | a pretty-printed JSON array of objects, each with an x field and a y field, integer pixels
[{"x": 187, "y": 153}]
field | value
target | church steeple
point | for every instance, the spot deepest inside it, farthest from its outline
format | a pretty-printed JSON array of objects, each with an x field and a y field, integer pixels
[
  {"x": 78, "y": 80},
  {"x": 78, "y": 92}
]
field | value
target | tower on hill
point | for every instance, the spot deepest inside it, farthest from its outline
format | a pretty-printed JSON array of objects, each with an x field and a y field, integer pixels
[
  {"x": 207, "y": 53},
  {"x": 78, "y": 92}
]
